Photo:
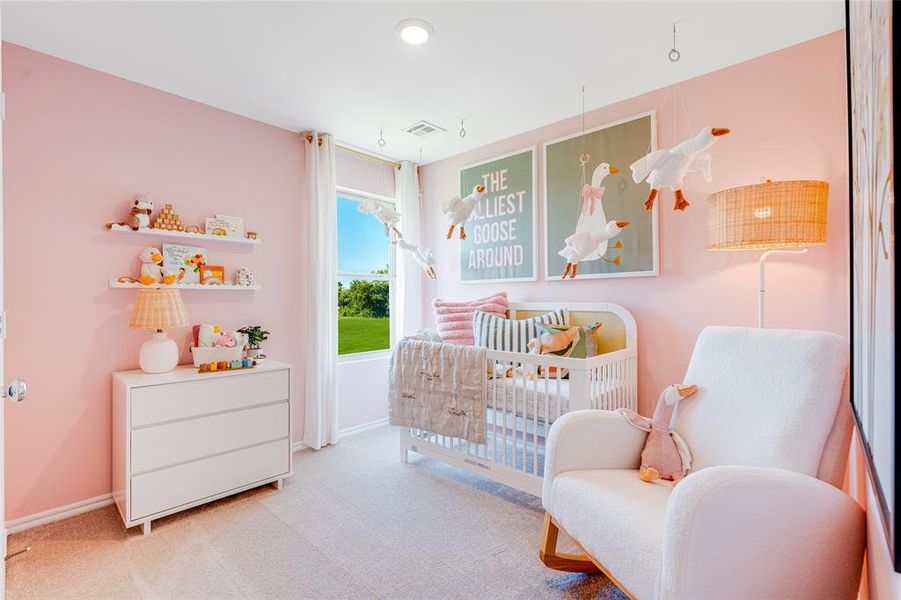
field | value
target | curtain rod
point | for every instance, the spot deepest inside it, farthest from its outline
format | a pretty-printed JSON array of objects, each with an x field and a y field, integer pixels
[{"x": 359, "y": 153}]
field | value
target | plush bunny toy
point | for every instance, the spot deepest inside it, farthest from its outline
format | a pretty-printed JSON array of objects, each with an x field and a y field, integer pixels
[{"x": 665, "y": 454}]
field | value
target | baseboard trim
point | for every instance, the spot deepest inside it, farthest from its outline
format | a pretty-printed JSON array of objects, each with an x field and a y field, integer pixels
[
  {"x": 58, "y": 514},
  {"x": 83, "y": 506},
  {"x": 362, "y": 427},
  {"x": 298, "y": 446}
]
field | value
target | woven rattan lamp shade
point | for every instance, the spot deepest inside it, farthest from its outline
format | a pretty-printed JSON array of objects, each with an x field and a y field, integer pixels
[
  {"x": 775, "y": 214},
  {"x": 158, "y": 309}
]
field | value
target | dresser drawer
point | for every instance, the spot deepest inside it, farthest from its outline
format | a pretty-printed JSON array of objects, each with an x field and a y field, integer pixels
[
  {"x": 170, "y": 488},
  {"x": 171, "y": 401},
  {"x": 161, "y": 445}
]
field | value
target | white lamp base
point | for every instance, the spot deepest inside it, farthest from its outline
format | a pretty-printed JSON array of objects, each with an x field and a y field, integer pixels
[
  {"x": 761, "y": 277},
  {"x": 159, "y": 354}
]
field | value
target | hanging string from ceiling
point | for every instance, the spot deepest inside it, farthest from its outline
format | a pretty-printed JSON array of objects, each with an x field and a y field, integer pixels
[
  {"x": 585, "y": 156},
  {"x": 417, "y": 166},
  {"x": 381, "y": 141},
  {"x": 674, "y": 55},
  {"x": 673, "y": 94}
]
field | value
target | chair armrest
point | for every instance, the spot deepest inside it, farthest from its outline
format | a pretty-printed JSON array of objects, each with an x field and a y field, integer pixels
[
  {"x": 752, "y": 532},
  {"x": 591, "y": 439}
]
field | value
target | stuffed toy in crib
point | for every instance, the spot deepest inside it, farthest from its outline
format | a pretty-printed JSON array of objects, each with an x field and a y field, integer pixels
[
  {"x": 564, "y": 341},
  {"x": 665, "y": 454}
]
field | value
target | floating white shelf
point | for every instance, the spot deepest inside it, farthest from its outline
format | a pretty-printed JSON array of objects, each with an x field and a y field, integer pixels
[
  {"x": 183, "y": 235},
  {"x": 227, "y": 287}
]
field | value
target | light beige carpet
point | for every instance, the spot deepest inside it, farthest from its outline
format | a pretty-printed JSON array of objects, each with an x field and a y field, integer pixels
[{"x": 354, "y": 522}]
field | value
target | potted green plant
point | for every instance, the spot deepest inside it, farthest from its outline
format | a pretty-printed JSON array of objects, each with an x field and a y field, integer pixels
[{"x": 256, "y": 335}]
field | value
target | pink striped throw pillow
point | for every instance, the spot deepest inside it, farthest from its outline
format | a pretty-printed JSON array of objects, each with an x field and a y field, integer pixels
[{"x": 453, "y": 320}]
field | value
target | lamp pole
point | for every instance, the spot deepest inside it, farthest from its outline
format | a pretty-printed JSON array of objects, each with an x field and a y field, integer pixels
[{"x": 761, "y": 292}]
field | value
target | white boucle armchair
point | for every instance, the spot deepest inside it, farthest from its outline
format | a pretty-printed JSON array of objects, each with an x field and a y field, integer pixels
[{"x": 760, "y": 514}]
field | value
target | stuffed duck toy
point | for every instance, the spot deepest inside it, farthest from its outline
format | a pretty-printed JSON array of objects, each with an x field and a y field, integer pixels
[
  {"x": 424, "y": 257},
  {"x": 593, "y": 231},
  {"x": 387, "y": 216},
  {"x": 665, "y": 454},
  {"x": 152, "y": 270},
  {"x": 459, "y": 210},
  {"x": 667, "y": 168}
]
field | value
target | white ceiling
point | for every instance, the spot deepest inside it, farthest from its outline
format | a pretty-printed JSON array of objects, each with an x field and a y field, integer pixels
[{"x": 506, "y": 67}]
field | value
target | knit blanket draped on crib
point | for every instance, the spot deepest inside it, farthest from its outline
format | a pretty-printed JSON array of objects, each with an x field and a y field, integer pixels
[{"x": 439, "y": 388}]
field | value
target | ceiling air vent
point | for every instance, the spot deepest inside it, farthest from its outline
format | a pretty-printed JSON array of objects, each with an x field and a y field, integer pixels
[{"x": 424, "y": 129}]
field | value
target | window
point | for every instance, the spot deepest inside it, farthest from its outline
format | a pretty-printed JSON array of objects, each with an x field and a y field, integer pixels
[{"x": 365, "y": 277}]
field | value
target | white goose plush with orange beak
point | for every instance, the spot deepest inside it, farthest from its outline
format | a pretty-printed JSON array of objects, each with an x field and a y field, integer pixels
[
  {"x": 667, "y": 168},
  {"x": 387, "y": 216},
  {"x": 593, "y": 232},
  {"x": 152, "y": 270},
  {"x": 459, "y": 210}
]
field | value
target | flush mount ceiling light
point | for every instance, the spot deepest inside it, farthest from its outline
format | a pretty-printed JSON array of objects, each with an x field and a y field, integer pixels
[{"x": 414, "y": 31}]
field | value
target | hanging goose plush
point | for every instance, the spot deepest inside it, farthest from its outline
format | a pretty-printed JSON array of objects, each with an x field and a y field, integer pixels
[
  {"x": 387, "y": 216},
  {"x": 425, "y": 257},
  {"x": 458, "y": 210},
  {"x": 667, "y": 168},
  {"x": 586, "y": 246},
  {"x": 593, "y": 232}
]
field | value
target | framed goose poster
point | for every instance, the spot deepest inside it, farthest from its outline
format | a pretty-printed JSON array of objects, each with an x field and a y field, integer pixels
[
  {"x": 599, "y": 202},
  {"x": 501, "y": 235}
]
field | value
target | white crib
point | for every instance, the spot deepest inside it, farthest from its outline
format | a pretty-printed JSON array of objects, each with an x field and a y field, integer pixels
[{"x": 521, "y": 409}]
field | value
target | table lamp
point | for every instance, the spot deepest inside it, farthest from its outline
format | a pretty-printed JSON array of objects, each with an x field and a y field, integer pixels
[
  {"x": 779, "y": 217},
  {"x": 158, "y": 309}
]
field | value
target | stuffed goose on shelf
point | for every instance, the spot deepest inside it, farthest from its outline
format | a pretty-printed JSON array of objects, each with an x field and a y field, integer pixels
[
  {"x": 593, "y": 232},
  {"x": 667, "y": 168},
  {"x": 458, "y": 210}
]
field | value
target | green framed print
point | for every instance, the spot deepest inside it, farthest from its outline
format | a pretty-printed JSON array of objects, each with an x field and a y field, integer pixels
[
  {"x": 588, "y": 188},
  {"x": 501, "y": 236}
]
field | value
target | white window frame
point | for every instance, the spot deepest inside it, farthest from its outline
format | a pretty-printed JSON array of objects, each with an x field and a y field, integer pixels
[{"x": 391, "y": 277}]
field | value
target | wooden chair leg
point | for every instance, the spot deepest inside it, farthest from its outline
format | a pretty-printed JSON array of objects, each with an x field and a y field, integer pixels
[{"x": 572, "y": 563}]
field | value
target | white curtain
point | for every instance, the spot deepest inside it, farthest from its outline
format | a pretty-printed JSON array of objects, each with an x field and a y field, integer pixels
[
  {"x": 321, "y": 393},
  {"x": 408, "y": 306}
]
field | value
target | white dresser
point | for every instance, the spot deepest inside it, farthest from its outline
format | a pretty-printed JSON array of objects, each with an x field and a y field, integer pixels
[{"x": 183, "y": 438}]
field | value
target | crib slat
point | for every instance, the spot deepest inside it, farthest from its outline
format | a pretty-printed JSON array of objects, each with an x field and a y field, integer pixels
[
  {"x": 535, "y": 427},
  {"x": 559, "y": 395},
  {"x": 494, "y": 410},
  {"x": 525, "y": 418},
  {"x": 504, "y": 430}
]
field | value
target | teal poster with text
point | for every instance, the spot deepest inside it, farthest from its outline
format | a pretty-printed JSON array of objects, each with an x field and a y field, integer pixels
[{"x": 500, "y": 236}]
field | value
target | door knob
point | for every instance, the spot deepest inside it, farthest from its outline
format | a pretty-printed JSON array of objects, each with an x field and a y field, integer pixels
[{"x": 16, "y": 390}]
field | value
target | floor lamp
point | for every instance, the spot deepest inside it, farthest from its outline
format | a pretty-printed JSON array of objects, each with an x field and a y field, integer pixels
[{"x": 778, "y": 217}]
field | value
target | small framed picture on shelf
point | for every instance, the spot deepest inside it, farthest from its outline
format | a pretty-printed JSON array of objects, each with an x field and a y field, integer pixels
[
  {"x": 212, "y": 275},
  {"x": 189, "y": 258},
  {"x": 225, "y": 225},
  {"x": 216, "y": 226},
  {"x": 235, "y": 225}
]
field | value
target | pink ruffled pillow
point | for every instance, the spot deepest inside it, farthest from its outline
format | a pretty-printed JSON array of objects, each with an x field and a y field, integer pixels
[{"x": 453, "y": 320}]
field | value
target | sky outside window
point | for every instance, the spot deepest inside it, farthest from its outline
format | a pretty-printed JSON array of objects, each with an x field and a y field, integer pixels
[{"x": 362, "y": 245}]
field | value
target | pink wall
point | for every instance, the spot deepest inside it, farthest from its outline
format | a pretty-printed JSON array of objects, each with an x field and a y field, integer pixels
[
  {"x": 364, "y": 175},
  {"x": 77, "y": 145},
  {"x": 363, "y": 384},
  {"x": 362, "y": 392},
  {"x": 880, "y": 579},
  {"x": 787, "y": 111}
]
